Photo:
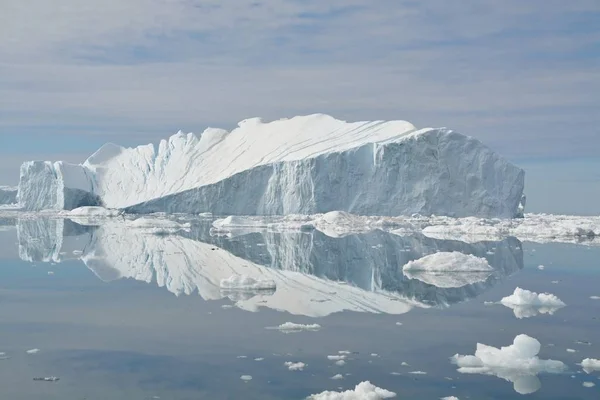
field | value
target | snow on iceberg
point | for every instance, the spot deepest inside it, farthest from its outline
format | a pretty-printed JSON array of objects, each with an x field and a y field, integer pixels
[
  {"x": 525, "y": 303},
  {"x": 243, "y": 283},
  {"x": 8, "y": 194},
  {"x": 590, "y": 365},
  {"x": 448, "y": 262},
  {"x": 363, "y": 391},
  {"x": 518, "y": 363},
  {"x": 306, "y": 164}
]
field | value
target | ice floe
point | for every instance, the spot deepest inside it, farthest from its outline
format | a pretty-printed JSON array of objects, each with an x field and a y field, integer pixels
[
  {"x": 518, "y": 363},
  {"x": 363, "y": 391},
  {"x": 33, "y": 351},
  {"x": 525, "y": 303},
  {"x": 588, "y": 384},
  {"x": 246, "y": 378},
  {"x": 337, "y": 377},
  {"x": 295, "y": 366}
]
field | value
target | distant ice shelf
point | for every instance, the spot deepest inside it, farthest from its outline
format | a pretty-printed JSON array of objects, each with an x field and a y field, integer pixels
[{"x": 306, "y": 165}]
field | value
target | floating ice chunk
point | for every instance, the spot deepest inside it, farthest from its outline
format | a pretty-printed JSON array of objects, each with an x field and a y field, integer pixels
[
  {"x": 246, "y": 378},
  {"x": 405, "y": 364},
  {"x": 448, "y": 262},
  {"x": 588, "y": 384},
  {"x": 336, "y": 357},
  {"x": 595, "y": 297},
  {"x": 541, "y": 267},
  {"x": 449, "y": 398},
  {"x": 292, "y": 366},
  {"x": 363, "y": 391},
  {"x": 446, "y": 280},
  {"x": 243, "y": 282},
  {"x": 340, "y": 363},
  {"x": 590, "y": 365},
  {"x": 33, "y": 351},
  {"x": 525, "y": 303},
  {"x": 157, "y": 225},
  {"x": 571, "y": 351},
  {"x": 290, "y": 327},
  {"x": 344, "y": 352},
  {"x": 517, "y": 363},
  {"x": 418, "y": 372},
  {"x": 337, "y": 377},
  {"x": 259, "y": 359},
  {"x": 399, "y": 323},
  {"x": 374, "y": 355}
]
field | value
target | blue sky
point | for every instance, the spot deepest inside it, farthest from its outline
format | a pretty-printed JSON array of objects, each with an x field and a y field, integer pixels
[{"x": 524, "y": 77}]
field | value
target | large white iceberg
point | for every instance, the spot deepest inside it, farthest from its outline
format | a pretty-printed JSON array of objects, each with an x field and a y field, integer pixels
[
  {"x": 518, "y": 363},
  {"x": 307, "y": 164}
]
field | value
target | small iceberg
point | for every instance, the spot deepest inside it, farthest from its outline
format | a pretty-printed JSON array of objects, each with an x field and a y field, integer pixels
[
  {"x": 364, "y": 390},
  {"x": 590, "y": 365},
  {"x": 525, "y": 303},
  {"x": 517, "y": 363},
  {"x": 295, "y": 366},
  {"x": 246, "y": 283}
]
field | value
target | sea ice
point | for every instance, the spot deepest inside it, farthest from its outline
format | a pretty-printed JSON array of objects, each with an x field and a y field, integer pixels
[
  {"x": 243, "y": 283},
  {"x": 363, "y": 391},
  {"x": 525, "y": 303},
  {"x": 518, "y": 363},
  {"x": 295, "y": 366}
]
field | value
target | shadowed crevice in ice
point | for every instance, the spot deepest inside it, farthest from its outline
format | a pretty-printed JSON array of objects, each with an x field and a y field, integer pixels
[{"x": 314, "y": 274}]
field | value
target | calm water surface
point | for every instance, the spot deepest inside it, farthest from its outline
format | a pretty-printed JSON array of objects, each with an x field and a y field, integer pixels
[{"x": 118, "y": 313}]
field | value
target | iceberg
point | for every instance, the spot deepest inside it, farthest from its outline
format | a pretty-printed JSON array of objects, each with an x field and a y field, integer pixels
[
  {"x": 302, "y": 165},
  {"x": 8, "y": 195},
  {"x": 518, "y": 363},
  {"x": 525, "y": 303},
  {"x": 364, "y": 390}
]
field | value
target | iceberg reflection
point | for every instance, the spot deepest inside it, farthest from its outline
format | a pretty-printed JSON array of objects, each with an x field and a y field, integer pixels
[{"x": 313, "y": 274}]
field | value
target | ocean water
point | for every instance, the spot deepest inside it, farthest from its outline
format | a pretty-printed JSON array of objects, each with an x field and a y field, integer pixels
[{"x": 120, "y": 313}]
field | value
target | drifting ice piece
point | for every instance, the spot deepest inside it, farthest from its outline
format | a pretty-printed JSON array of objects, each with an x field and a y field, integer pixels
[{"x": 303, "y": 165}]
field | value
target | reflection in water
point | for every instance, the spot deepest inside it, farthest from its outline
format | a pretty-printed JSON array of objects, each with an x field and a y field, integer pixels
[{"x": 315, "y": 275}]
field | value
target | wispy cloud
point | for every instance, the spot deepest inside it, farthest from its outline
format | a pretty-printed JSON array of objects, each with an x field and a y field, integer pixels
[{"x": 522, "y": 76}]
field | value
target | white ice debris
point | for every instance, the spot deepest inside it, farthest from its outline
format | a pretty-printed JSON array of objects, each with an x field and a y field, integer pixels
[
  {"x": 296, "y": 165},
  {"x": 571, "y": 351},
  {"x": 446, "y": 280},
  {"x": 340, "y": 363},
  {"x": 449, "y": 398},
  {"x": 246, "y": 378},
  {"x": 588, "y": 384},
  {"x": 33, "y": 351},
  {"x": 595, "y": 297},
  {"x": 541, "y": 267},
  {"x": 245, "y": 283},
  {"x": 525, "y": 303},
  {"x": 157, "y": 224},
  {"x": 295, "y": 366},
  {"x": 363, "y": 391},
  {"x": 337, "y": 377},
  {"x": 517, "y": 363},
  {"x": 259, "y": 359},
  {"x": 290, "y": 327},
  {"x": 590, "y": 365},
  {"x": 418, "y": 372},
  {"x": 337, "y": 357}
]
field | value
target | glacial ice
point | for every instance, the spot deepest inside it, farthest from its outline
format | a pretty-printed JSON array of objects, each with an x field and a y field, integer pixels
[
  {"x": 525, "y": 303},
  {"x": 363, "y": 391},
  {"x": 518, "y": 363},
  {"x": 306, "y": 165},
  {"x": 8, "y": 195},
  {"x": 448, "y": 262},
  {"x": 243, "y": 283}
]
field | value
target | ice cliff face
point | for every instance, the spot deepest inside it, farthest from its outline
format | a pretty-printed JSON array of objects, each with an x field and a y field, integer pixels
[
  {"x": 8, "y": 195},
  {"x": 305, "y": 165},
  {"x": 45, "y": 185}
]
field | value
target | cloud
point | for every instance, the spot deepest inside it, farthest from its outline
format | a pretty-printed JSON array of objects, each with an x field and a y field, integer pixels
[{"x": 521, "y": 77}]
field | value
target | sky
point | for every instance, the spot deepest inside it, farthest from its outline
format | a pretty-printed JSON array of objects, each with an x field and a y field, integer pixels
[{"x": 523, "y": 77}]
